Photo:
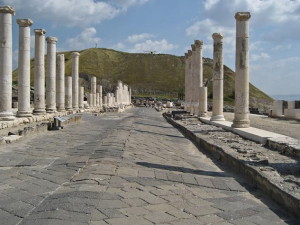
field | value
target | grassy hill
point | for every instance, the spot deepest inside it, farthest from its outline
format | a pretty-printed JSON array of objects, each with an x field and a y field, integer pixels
[{"x": 147, "y": 74}]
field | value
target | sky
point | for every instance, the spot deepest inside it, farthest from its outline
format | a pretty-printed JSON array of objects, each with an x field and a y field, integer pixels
[{"x": 171, "y": 26}]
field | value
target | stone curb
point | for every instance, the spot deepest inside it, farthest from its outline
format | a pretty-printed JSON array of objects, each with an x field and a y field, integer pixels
[{"x": 258, "y": 179}]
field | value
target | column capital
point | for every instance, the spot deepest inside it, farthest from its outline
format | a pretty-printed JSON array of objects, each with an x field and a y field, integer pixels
[
  {"x": 217, "y": 37},
  {"x": 242, "y": 16},
  {"x": 189, "y": 53},
  {"x": 198, "y": 44},
  {"x": 75, "y": 54},
  {"x": 7, "y": 9},
  {"x": 60, "y": 55},
  {"x": 24, "y": 22},
  {"x": 40, "y": 31},
  {"x": 186, "y": 55},
  {"x": 51, "y": 39},
  {"x": 193, "y": 47}
]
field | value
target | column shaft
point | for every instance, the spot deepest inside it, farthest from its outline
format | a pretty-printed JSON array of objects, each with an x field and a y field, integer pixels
[
  {"x": 241, "y": 109},
  {"x": 39, "y": 72},
  {"x": 218, "y": 74},
  {"x": 75, "y": 80},
  {"x": 81, "y": 97},
  {"x": 93, "y": 90},
  {"x": 60, "y": 83},
  {"x": 51, "y": 75},
  {"x": 6, "y": 13},
  {"x": 68, "y": 94},
  {"x": 24, "y": 109}
]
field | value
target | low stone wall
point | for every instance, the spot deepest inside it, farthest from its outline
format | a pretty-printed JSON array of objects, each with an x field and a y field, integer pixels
[{"x": 258, "y": 173}]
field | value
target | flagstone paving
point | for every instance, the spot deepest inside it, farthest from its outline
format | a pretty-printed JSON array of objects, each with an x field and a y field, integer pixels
[{"x": 127, "y": 168}]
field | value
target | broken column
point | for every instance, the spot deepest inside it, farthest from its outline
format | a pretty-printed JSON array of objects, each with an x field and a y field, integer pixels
[
  {"x": 197, "y": 73},
  {"x": 241, "y": 109},
  {"x": 24, "y": 109},
  {"x": 68, "y": 94},
  {"x": 186, "y": 82},
  {"x": 51, "y": 75},
  {"x": 6, "y": 13},
  {"x": 81, "y": 98},
  {"x": 39, "y": 72},
  {"x": 60, "y": 83},
  {"x": 100, "y": 96},
  {"x": 218, "y": 74},
  {"x": 75, "y": 79}
]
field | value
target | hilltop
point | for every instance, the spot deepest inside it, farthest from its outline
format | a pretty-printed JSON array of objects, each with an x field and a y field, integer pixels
[{"x": 148, "y": 74}]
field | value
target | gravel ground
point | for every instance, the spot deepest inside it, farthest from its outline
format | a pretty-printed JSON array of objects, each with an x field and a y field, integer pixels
[{"x": 289, "y": 128}]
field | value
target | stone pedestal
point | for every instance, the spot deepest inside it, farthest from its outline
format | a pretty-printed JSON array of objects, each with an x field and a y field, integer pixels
[
  {"x": 81, "y": 98},
  {"x": 68, "y": 94},
  {"x": 60, "y": 83},
  {"x": 6, "y": 13},
  {"x": 24, "y": 109},
  {"x": 218, "y": 74},
  {"x": 203, "y": 100},
  {"x": 51, "y": 75},
  {"x": 39, "y": 72},
  {"x": 277, "y": 109},
  {"x": 75, "y": 80},
  {"x": 241, "y": 109}
]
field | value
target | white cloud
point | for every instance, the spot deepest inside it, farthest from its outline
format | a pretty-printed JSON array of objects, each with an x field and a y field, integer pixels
[
  {"x": 139, "y": 37},
  {"x": 161, "y": 46},
  {"x": 282, "y": 47},
  {"x": 79, "y": 13},
  {"x": 86, "y": 39},
  {"x": 119, "y": 46},
  {"x": 261, "y": 56},
  {"x": 277, "y": 76},
  {"x": 209, "y": 4}
]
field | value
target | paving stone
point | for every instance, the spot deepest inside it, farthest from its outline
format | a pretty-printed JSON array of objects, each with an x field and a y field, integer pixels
[
  {"x": 160, "y": 217},
  {"x": 134, "y": 211},
  {"x": 128, "y": 221}
]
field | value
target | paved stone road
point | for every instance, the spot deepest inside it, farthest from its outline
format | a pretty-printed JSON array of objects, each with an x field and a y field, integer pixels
[{"x": 130, "y": 168}]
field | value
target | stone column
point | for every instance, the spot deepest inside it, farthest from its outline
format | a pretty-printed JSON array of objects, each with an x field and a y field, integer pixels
[
  {"x": 75, "y": 79},
  {"x": 203, "y": 100},
  {"x": 241, "y": 109},
  {"x": 24, "y": 109},
  {"x": 190, "y": 108},
  {"x": 60, "y": 83},
  {"x": 81, "y": 98},
  {"x": 93, "y": 90},
  {"x": 91, "y": 98},
  {"x": 6, "y": 13},
  {"x": 105, "y": 100},
  {"x": 51, "y": 75},
  {"x": 186, "y": 84},
  {"x": 198, "y": 71},
  {"x": 130, "y": 95},
  {"x": 218, "y": 74},
  {"x": 97, "y": 99},
  {"x": 100, "y": 97},
  {"x": 88, "y": 99},
  {"x": 39, "y": 72},
  {"x": 68, "y": 94}
]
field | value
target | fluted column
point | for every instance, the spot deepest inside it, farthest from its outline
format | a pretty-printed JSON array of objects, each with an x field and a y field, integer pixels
[
  {"x": 6, "y": 13},
  {"x": 186, "y": 78},
  {"x": 51, "y": 75},
  {"x": 39, "y": 72},
  {"x": 68, "y": 93},
  {"x": 241, "y": 108},
  {"x": 75, "y": 79},
  {"x": 24, "y": 109},
  {"x": 218, "y": 74},
  {"x": 60, "y": 83},
  {"x": 81, "y": 98}
]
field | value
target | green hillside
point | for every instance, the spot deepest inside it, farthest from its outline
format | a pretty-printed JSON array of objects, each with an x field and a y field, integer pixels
[{"x": 147, "y": 74}]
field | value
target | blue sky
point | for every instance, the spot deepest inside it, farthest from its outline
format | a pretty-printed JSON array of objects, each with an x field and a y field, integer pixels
[{"x": 170, "y": 26}]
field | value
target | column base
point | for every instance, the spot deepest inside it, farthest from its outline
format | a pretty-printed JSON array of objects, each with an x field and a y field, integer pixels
[
  {"x": 51, "y": 110},
  {"x": 241, "y": 124},
  {"x": 203, "y": 114},
  {"x": 61, "y": 110},
  {"x": 6, "y": 116},
  {"x": 24, "y": 114},
  {"x": 217, "y": 118},
  {"x": 39, "y": 112}
]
